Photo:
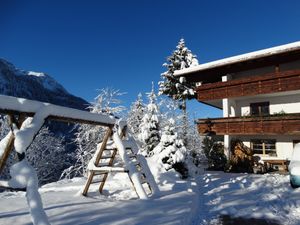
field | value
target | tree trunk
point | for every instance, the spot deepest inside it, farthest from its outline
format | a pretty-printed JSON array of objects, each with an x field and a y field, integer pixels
[{"x": 184, "y": 122}]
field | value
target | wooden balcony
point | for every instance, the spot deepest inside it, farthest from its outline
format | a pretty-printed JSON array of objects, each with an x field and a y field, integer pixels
[
  {"x": 250, "y": 86},
  {"x": 288, "y": 124}
]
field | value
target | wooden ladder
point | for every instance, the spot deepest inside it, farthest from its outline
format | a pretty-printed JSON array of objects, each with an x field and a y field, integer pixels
[{"x": 103, "y": 165}]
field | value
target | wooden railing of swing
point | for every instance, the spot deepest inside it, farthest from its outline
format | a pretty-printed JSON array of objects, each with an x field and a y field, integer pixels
[{"x": 17, "y": 116}]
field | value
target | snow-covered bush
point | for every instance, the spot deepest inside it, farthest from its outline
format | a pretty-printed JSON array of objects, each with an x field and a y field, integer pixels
[
  {"x": 214, "y": 152},
  {"x": 149, "y": 127},
  {"x": 171, "y": 150}
]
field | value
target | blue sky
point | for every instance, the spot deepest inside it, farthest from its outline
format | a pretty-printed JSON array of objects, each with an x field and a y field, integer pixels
[{"x": 88, "y": 45}]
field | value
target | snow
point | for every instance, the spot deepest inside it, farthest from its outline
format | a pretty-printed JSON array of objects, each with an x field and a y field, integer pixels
[
  {"x": 294, "y": 166},
  {"x": 150, "y": 178},
  {"x": 133, "y": 173},
  {"x": 259, "y": 197},
  {"x": 23, "y": 175},
  {"x": 119, "y": 204},
  {"x": 240, "y": 58},
  {"x": 207, "y": 200},
  {"x": 30, "y": 106},
  {"x": 30, "y": 127}
]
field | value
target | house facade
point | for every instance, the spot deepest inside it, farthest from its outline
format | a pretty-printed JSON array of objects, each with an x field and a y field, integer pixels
[{"x": 259, "y": 94}]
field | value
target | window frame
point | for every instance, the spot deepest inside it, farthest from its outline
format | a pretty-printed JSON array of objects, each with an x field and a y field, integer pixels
[{"x": 268, "y": 147}]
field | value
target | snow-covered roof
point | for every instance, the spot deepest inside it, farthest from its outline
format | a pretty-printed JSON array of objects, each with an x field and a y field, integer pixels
[{"x": 241, "y": 58}]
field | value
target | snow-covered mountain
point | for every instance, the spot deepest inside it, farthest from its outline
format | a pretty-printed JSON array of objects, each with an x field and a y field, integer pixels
[
  {"x": 35, "y": 86},
  {"x": 54, "y": 145}
]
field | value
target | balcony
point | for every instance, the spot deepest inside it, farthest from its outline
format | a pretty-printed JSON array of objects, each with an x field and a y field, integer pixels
[
  {"x": 287, "y": 124},
  {"x": 250, "y": 86}
]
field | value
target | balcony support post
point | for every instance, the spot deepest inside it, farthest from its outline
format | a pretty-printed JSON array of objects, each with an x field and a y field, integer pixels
[{"x": 227, "y": 112}]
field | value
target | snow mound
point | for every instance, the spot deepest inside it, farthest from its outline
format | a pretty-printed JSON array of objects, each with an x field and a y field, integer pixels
[
  {"x": 23, "y": 175},
  {"x": 294, "y": 166}
]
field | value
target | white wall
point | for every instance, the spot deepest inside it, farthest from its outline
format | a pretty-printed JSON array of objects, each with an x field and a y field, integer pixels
[{"x": 288, "y": 103}]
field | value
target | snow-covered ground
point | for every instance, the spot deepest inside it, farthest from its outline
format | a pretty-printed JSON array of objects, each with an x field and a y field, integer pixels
[
  {"x": 119, "y": 204},
  {"x": 260, "y": 198}
]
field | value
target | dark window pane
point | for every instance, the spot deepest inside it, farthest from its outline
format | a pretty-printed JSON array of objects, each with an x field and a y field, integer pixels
[{"x": 260, "y": 109}]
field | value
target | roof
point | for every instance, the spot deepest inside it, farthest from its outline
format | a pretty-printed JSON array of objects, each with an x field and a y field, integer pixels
[{"x": 235, "y": 63}]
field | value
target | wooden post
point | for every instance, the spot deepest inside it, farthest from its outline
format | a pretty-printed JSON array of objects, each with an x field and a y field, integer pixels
[
  {"x": 10, "y": 144},
  {"x": 7, "y": 151}
]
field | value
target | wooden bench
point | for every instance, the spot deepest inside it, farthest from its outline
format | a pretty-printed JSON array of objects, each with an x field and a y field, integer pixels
[{"x": 282, "y": 162}]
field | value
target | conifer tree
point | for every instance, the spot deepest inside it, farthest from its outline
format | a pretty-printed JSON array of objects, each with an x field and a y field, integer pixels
[
  {"x": 176, "y": 87},
  {"x": 149, "y": 127},
  {"x": 135, "y": 116}
]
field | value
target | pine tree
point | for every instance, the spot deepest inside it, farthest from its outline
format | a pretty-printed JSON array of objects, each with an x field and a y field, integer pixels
[
  {"x": 171, "y": 150},
  {"x": 150, "y": 125},
  {"x": 135, "y": 116},
  {"x": 176, "y": 87}
]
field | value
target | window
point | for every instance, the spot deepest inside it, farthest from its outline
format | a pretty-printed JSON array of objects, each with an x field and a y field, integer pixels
[
  {"x": 264, "y": 147},
  {"x": 260, "y": 109}
]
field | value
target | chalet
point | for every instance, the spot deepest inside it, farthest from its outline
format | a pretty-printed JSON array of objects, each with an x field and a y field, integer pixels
[{"x": 259, "y": 93}]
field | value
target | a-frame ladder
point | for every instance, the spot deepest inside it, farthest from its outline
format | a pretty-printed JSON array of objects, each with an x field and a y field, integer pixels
[{"x": 135, "y": 165}]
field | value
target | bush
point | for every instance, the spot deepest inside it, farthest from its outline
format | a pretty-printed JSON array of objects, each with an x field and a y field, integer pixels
[{"x": 214, "y": 152}]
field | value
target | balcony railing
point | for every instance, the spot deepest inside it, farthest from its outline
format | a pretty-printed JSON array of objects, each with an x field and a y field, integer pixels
[
  {"x": 250, "y": 86},
  {"x": 287, "y": 124}
]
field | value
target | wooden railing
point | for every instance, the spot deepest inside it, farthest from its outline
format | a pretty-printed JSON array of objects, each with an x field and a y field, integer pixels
[
  {"x": 255, "y": 85},
  {"x": 288, "y": 124}
]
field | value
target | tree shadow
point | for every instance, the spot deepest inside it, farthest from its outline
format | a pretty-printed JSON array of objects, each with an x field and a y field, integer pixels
[{"x": 228, "y": 220}]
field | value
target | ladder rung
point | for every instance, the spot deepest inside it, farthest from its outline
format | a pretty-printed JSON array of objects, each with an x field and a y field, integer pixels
[
  {"x": 96, "y": 181},
  {"x": 97, "y": 173},
  {"x": 110, "y": 149},
  {"x": 103, "y": 164},
  {"x": 106, "y": 157},
  {"x": 106, "y": 169},
  {"x": 144, "y": 181}
]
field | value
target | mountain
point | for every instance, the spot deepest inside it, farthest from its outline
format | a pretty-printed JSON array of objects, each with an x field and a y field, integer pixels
[
  {"x": 35, "y": 86},
  {"x": 53, "y": 149}
]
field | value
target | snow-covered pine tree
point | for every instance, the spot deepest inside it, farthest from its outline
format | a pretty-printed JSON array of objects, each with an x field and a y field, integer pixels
[
  {"x": 88, "y": 136},
  {"x": 135, "y": 116},
  {"x": 171, "y": 150},
  {"x": 176, "y": 87},
  {"x": 149, "y": 127}
]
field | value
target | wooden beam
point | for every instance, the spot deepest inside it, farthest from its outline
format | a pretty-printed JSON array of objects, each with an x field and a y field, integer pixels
[{"x": 54, "y": 118}]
